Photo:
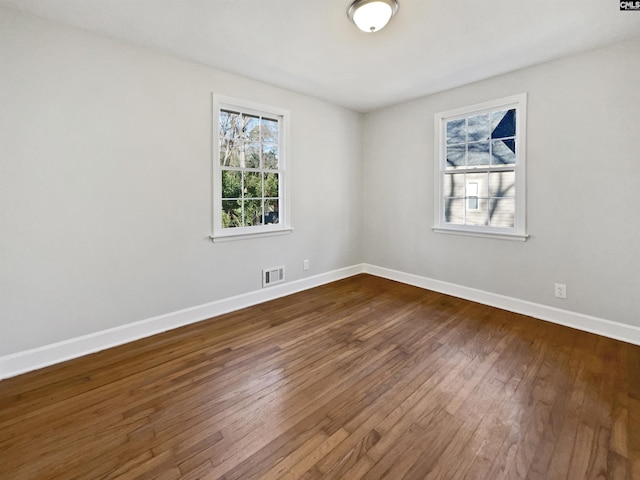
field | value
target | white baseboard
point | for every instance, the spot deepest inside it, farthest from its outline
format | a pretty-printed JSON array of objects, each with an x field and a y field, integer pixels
[
  {"x": 607, "y": 328},
  {"x": 26, "y": 361}
]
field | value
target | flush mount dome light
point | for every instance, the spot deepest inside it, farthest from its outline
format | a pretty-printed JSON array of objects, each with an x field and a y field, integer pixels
[{"x": 372, "y": 15}]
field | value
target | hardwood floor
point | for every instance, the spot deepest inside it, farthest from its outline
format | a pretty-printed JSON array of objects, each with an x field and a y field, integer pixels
[{"x": 363, "y": 378}]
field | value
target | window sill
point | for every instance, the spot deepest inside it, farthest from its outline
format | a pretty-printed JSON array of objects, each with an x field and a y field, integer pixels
[
  {"x": 516, "y": 237},
  {"x": 229, "y": 237}
]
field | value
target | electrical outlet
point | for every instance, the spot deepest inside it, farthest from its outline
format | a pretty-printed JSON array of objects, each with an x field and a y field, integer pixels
[
  {"x": 561, "y": 290},
  {"x": 305, "y": 265}
]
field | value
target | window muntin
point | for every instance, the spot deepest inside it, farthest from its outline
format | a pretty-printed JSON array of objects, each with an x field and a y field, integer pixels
[
  {"x": 480, "y": 168},
  {"x": 249, "y": 169}
]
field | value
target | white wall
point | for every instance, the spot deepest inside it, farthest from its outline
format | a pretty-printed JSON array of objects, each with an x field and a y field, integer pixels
[
  {"x": 106, "y": 192},
  {"x": 583, "y": 191}
]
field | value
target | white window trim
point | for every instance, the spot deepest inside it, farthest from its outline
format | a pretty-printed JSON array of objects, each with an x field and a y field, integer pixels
[
  {"x": 519, "y": 231},
  {"x": 284, "y": 225}
]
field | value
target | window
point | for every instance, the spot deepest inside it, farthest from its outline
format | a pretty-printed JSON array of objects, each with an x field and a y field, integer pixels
[
  {"x": 480, "y": 166},
  {"x": 472, "y": 196},
  {"x": 249, "y": 170}
]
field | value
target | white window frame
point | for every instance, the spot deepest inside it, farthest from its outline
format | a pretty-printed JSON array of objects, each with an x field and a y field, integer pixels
[
  {"x": 222, "y": 102},
  {"x": 518, "y": 231}
]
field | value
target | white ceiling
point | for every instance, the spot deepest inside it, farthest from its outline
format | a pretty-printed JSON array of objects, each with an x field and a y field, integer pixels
[{"x": 311, "y": 47}]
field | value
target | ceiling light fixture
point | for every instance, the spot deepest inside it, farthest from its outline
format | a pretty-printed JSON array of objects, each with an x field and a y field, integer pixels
[{"x": 372, "y": 15}]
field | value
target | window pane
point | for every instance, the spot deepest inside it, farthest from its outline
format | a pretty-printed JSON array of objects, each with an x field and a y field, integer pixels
[
  {"x": 229, "y": 153},
  {"x": 456, "y": 131},
  {"x": 231, "y": 214},
  {"x": 502, "y": 212},
  {"x": 478, "y": 128},
  {"x": 455, "y": 156},
  {"x": 252, "y": 213},
  {"x": 251, "y": 130},
  {"x": 478, "y": 154},
  {"x": 229, "y": 124},
  {"x": 503, "y": 123},
  {"x": 251, "y": 155},
  {"x": 252, "y": 184},
  {"x": 271, "y": 211},
  {"x": 270, "y": 156},
  {"x": 478, "y": 215},
  {"x": 271, "y": 186},
  {"x": 503, "y": 152},
  {"x": 454, "y": 185},
  {"x": 454, "y": 210},
  {"x": 269, "y": 130},
  {"x": 231, "y": 184},
  {"x": 502, "y": 184}
]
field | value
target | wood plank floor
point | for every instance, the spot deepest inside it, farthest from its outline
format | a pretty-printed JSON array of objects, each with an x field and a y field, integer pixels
[{"x": 363, "y": 378}]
